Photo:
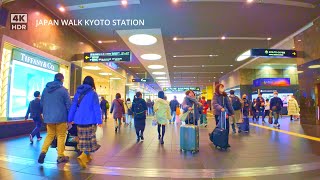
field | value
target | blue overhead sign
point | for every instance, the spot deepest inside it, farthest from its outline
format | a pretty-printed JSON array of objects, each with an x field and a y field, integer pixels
[
  {"x": 274, "y": 53},
  {"x": 114, "y": 56}
]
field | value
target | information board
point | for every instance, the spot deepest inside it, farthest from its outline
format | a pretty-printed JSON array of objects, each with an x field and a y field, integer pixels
[
  {"x": 274, "y": 53},
  {"x": 181, "y": 89},
  {"x": 118, "y": 56}
]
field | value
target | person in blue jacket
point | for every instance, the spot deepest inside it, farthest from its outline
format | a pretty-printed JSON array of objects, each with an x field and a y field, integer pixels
[
  {"x": 86, "y": 114},
  {"x": 276, "y": 105},
  {"x": 139, "y": 109}
]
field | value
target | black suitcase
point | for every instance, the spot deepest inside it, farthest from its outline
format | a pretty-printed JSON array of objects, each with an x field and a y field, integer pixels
[{"x": 220, "y": 136}]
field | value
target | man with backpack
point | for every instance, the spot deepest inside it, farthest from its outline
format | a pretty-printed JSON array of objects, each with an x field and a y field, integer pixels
[
  {"x": 276, "y": 105},
  {"x": 139, "y": 109},
  {"x": 237, "y": 105}
]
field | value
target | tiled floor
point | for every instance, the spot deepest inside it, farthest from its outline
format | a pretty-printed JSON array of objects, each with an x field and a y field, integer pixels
[{"x": 262, "y": 154}]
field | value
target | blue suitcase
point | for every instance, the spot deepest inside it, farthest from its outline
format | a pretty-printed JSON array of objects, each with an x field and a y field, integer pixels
[
  {"x": 189, "y": 138},
  {"x": 220, "y": 136}
]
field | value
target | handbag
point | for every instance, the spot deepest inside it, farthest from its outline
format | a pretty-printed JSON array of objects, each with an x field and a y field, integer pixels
[{"x": 154, "y": 122}]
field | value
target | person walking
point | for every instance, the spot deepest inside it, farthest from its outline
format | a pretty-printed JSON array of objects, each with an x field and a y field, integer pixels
[
  {"x": 236, "y": 105},
  {"x": 35, "y": 110},
  {"x": 205, "y": 107},
  {"x": 245, "y": 112},
  {"x": 150, "y": 106},
  {"x": 103, "y": 106},
  {"x": 266, "y": 110},
  {"x": 55, "y": 102},
  {"x": 260, "y": 107},
  {"x": 117, "y": 108},
  {"x": 276, "y": 105},
  {"x": 162, "y": 115},
  {"x": 86, "y": 114},
  {"x": 293, "y": 108},
  {"x": 221, "y": 103},
  {"x": 129, "y": 112},
  {"x": 173, "y": 107},
  {"x": 139, "y": 109},
  {"x": 254, "y": 110},
  {"x": 190, "y": 103}
]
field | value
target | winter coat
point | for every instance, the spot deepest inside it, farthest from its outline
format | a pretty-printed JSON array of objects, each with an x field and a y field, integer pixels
[
  {"x": 245, "y": 107},
  {"x": 173, "y": 105},
  {"x": 34, "y": 109},
  {"x": 276, "y": 104},
  {"x": 103, "y": 105},
  {"x": 260, "y": 103},
  {"x": 55, "y": 103},
  {"x": 117, "y": 108},
  {"x": 293, "y": 107},
  {"x": 205, "y": 106},
  {"x": 191, "y": 102},
  {"x": 162, "y": 111},
  {"x": 219, "y": 101},
  {"x": 88, "y": 111}
]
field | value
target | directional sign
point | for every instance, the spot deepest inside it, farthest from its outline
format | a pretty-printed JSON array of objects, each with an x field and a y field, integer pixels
[
  {"x": 142, "y": 80},
  {"x": 274, "y": 53},
  {"x": 117, "y": 56},
  {"x": 181, "y": 89}
]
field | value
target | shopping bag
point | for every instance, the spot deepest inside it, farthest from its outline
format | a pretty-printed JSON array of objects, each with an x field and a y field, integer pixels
[
  {"x": 154, "y": 122},
  {"x": 184, "y": 116},
  {"x": 178, "y": 111},
  {"x": 99, "y": 133}
]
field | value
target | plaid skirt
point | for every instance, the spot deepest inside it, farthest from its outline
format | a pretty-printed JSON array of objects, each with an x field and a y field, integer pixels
[{"x": 87, "y": 139}]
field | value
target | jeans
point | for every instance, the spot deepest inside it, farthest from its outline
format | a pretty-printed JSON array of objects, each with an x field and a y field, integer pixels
[
  {"x": 56, "y": 130},
  {"x": 150, "y": 111},
  {"x": 203, "y": 119},
  {"x": 276, "y": 117},
  {"x": 36, "y": 130},
  {"x": 173, "y": 114},
  {"x": 260, "y": 113},
  {"x": 104, "y": 114}
]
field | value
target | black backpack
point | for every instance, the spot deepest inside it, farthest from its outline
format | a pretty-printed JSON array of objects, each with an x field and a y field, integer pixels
[
  {"x": 236, "y": 104},
  {"x": 139, "y": 111}
]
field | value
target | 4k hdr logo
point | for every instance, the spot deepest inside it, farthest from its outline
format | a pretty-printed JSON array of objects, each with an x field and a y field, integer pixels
[{"x": 18, "y": 21}]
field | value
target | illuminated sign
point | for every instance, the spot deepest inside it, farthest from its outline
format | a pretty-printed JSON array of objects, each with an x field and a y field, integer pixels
[
  {"x": 142, "y": 80},
  {"x": 181, "y": 89},
  {"x": 274, "y": 53},
  {"x": 35, "y": 60},
  {"x": 116, "y": 56},
  {"x": 271, "y": 82}
]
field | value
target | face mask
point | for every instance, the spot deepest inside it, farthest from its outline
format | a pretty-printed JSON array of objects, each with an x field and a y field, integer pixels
[{"x": 276, "y": 95}]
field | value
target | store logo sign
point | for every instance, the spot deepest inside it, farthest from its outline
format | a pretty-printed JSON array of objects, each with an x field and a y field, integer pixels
[
  {"x": 33, "y": 60},
  {"x": 19, "y": 21}
]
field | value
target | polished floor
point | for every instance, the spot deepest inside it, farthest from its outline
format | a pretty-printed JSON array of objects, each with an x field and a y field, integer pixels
[{"x": 264, "y": 153}]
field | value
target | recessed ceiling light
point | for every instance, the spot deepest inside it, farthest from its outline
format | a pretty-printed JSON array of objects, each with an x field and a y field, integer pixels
[
  {"x": 244, "y": 56},
  {"x": 92, "y": 68},
  {"x": 174, "y": 56},
  {"x": 175, "y": 1},
  {"x": 314, "y": 66},
  {"x": 161, "y": 77},
  {"x": 175, "y": 38},
  {"x": 62, "y": 9},
  {"x": 142, "y": 39},
  {"x": 105, "y": 74},
  {"x": 223, "y": 37},
  {"x": 249, "y": 1},
  {"x": 158, "y": 73},
  {"x": 174, "y": 66},
  {"x": 155, "y": 66},
  {"x": 269, "y": 39},
  {"x": 37, "y": 13},
  {"x": 221, "y": 72},
  {"x": 214, "y": 77},
  {"x": 124, "y": 2},
  {"x": 231, "y": 65},
  {"x": 99, "y": 42},
  {"x": 299, "y": 40},
  {"x": 151, "y": 57},
  {"x": 210, "y": 55}
]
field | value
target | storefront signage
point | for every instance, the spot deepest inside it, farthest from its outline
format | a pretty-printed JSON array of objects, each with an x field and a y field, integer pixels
[
  {"x": 271, "y": 82},
  {"x": 142, "y": 80},
  {"x": 181, "y": 89},
  {"x": 274, "y": 53},
  {"x": 34, "y": 60},
  {"x": 117, "y": 56}
]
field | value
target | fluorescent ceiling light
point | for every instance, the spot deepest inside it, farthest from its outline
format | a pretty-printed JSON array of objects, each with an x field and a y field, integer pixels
[
  {"x": 129, "y": 84},
  {"x": 124, "y": 2},
  {"x": 158, "y": 73},
  {"x": 175, "y": 38},
  {"x": 92, "y": 68},
  {"x": 115, "y": 78},
  {"x": 244, "y": 56},
  {"x": 142, "y": 39},
  {"x": 269, "y": 39},
  {"x": 99, "y": 42},
  {"x": 291, "y": 68},
  {"x": 105, "y": 74},
  {"x": 267, "y": 67},
  {"x": 151, "y": 57},
  {"x": 161, "y": 77},
  {"x": 314, "y": 66},
  {"x": 249, "y": 1},
  {"x": 299, "y": 72},
  {"x": 223, "y": 37},
  {"x": 156, "y": 67},
  {"x": 164, "y": 81}
]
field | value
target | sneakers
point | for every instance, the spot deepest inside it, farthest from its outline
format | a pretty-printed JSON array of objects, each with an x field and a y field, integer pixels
[
  {"x": 276, "y": 125},
  {"x": 205, "y": 125},
  {"x": 138, "y": 139},
  {"x": 82, "y": 160},
  {"x": 62, "y": 159},
  {"x": 142, "y": 138},
  {"x": 39, "y": 139},
  {"x": 31, "y": 139},
  {"x": 41, "y": 158}
]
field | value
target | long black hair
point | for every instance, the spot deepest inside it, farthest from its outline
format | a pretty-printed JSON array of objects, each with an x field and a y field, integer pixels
[{"x": 89, "y": 81}]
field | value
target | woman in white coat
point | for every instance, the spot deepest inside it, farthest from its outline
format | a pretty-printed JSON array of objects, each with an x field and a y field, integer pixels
[{"x": 293, "y": 108}]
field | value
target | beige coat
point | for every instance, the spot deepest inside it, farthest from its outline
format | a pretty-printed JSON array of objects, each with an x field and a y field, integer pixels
[{"x": 293, "y": 107}]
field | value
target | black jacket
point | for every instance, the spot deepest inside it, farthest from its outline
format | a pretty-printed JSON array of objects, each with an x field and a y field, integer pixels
[{"x": 34, "y": 109}]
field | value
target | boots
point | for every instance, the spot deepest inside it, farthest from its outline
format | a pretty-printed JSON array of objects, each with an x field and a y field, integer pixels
[
  {"x": 82, "y": 160},
  {"x": 234, "y": 128}
]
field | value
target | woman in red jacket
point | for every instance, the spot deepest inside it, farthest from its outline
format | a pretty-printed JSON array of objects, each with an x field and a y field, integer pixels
[{"x": 205, "y": 107}]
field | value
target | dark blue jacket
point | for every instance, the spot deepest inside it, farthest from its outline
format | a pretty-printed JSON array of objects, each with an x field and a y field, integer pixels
[
  {"x": 55, "y": 102},
  {"x": 34, "y": 109},
  {"x": 88, "y": 111},
  {"x": 246, "y": 107},
  {"x": 276, "y": 103},
  {"x": 219, "y": 101},
  {"x": 103, "y": 105},
  {"x": 173, "y": 105},
  {"x": 135, "y": 103},
  {"x": 191, "y": 102}
]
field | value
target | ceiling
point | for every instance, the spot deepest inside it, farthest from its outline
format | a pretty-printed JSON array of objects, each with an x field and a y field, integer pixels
[{"x": 198, "y": 26}]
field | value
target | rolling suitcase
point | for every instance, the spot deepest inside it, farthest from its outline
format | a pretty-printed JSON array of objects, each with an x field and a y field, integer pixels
[
  {"x": 189, "y": 137},
  {"x": 220, "y": 136},
  {"x": 244, "y": 126}
]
